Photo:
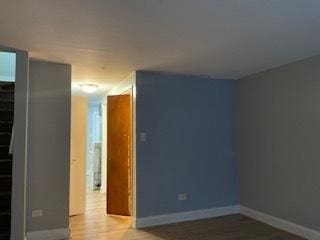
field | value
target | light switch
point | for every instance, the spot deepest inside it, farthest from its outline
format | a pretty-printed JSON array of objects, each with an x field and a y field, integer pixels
[
  {"x": 143, "y": 137},
  {"x": 37, "y": 213},
  {"x": 182, "y": 196}
]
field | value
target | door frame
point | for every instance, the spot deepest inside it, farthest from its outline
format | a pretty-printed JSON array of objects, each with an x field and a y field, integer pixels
[
  {"x": 125, "y": 85},
  {"x": 19, "y": 162},
  {"x": 112, "y": 207}
]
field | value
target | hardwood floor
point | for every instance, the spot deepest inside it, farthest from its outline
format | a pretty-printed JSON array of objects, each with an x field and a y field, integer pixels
[
  {"x": 95, "y": 225},
  {"x": 95, "y": 222},
  {"x": 95, "y": 200},
  {"x": 232, "y": 227}
]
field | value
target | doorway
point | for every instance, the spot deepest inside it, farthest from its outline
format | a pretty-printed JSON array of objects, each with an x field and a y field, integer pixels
[
  {"x": 95, "y": 196},
  {"x": 119, "y": 152},
  {"x": 100, "y": 156}
]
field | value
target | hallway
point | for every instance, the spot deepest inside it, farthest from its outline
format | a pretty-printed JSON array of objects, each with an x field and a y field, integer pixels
[{"x": 95, "y": 222}]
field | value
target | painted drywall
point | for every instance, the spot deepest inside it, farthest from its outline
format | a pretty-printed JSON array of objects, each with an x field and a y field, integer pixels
[
  {"x": 189, "y": 147},
  {"x": 7, "y": 66},
  {"x": 48, "y": 145},
  {"x": 278, "y": 142}
]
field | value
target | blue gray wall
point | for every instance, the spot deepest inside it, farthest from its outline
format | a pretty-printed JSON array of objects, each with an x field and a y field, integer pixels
[
  {"x": 189, "y": 122},
  {"x": 278, "y": 142}
]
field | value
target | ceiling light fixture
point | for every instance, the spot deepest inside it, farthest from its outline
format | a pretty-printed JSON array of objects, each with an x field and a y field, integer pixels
[{"x": 89, "y": 87}]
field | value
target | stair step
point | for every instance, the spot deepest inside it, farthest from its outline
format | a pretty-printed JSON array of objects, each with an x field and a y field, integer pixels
[
  {"x": 5, "y": 175},
  {"x": 7, "y": 94},
  {"x": 5, "y": 160},
  {"x": 3, "y": 90},
  {"x": 6, "y": 90},
  {"x": 6, "y": 114},
  {"x": 5, "y": 182},
  {"x": 5, "y": 193},
  {"x": 5, "y": 138},
  {"x": 6, "y": 100},
  {"x": 7, "y": 85},
  {"x": 8, "y": 105},
  {"x": 5, "y": 222},
  {"x": 5, "y": 110},
  {"x": 4, "y": 152},
  {"x": 5, "y": 200},
  {"x": 5, "y": 166},
  {"x": 6, "y": 126},
  {"x": 6, "y": 122},
  {"x": 5, "y": 235},
  {"x": 5, "y": 212}
]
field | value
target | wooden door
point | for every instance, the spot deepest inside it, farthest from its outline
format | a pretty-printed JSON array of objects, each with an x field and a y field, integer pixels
[
  {"x": 119, "y": 155},
  {"x": 79, "y": 106}
]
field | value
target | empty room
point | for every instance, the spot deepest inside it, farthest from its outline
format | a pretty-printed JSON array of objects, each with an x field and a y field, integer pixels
[{"x": 159, "y": 120}]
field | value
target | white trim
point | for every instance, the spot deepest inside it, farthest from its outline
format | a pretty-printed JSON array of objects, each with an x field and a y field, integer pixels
[
  {"x": 54, "y": 234},
  {"x": 222, "y": 211},
  {"x": 281, "y": 224},
  {"x": 185, "y": 216}
]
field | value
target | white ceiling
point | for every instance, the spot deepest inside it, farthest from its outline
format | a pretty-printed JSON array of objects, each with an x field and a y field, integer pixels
[{"x": 105, "y": 40}]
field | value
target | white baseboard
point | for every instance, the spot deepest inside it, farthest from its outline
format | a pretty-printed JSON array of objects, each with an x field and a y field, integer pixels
[
  {"x": 185, "y": 216},
  {"x": 281, "y": 224},
  {"x": 221, "y": 211},
  {"x": 53, "y": 234}
]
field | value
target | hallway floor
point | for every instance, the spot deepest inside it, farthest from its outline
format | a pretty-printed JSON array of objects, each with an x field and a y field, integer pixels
[
  {"x": 95, "y": 222},
  {"x": 95, "y": 225}
]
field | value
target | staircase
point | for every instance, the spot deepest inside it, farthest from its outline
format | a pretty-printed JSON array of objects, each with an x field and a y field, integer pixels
[{"x": 6, "y": 122}]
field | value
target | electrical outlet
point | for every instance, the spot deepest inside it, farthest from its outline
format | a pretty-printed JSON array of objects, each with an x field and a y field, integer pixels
[
  {"x": 143, "y": 137},
  {"x": 37, "y": 213},
  {"x": 182, "y": 196}
]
